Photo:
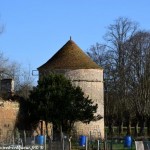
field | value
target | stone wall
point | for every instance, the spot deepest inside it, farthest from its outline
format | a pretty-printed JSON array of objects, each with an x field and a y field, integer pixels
[
  {"x": 8, "y": 116},
  {"x": 6, "y": 88},
  {"x": 91, "y": 82}
]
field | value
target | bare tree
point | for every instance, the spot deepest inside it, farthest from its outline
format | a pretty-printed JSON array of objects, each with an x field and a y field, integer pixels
[
  {"x": 126, "y": 61},
  {"x": 100, "y": 54},
  {"x": 139, "y": 57},
  {"x": 116, "y": 67},
  {"x": 26, "y": 83},
  {"x": 3, "y": 63},
  {"x": 23, "y": 79}
]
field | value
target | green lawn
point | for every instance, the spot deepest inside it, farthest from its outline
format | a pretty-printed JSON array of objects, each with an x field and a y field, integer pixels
[{"x": 114, "y": 145}]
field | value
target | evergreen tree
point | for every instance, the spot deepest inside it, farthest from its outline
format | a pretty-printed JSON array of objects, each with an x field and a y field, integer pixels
[{"x": 56, "y": 100}]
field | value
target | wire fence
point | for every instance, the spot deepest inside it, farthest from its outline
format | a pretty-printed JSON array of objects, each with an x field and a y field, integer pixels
[{"x": 26, "y": 140}]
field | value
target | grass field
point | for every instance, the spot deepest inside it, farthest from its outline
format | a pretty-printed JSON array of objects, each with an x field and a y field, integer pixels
[
  {"x": 113, "y": 143},
  {"x": 109, "y": 145}
]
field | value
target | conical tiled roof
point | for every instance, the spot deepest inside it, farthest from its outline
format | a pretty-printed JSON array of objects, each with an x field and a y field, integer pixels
[{"x": 70, "y": 56}]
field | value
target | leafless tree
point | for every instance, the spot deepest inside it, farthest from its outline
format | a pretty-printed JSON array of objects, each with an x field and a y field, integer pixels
[
  {"x": 23, "y": 79},
  {"x": 114, "y": 60},
  {"x": 139, "y": 75}
]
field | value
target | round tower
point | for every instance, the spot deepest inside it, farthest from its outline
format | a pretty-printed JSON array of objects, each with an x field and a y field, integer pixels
[{"x": 71, "y": 61}]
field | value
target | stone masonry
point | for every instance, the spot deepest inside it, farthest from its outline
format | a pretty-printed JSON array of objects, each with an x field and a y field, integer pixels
[
  {"x": 91, "y": 82},
  {"x": 8, "y": 117}
]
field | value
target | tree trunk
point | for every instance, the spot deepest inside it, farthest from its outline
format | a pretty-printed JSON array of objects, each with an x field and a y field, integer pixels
[
  {"x": 120, "y": 127},
  {"x": 128, "y": 127},
  {"x": 110, "y": 128},
  {"x": 148, "y": 126},
  {"x": 142, "y": 126},
  {"x": 61, "y": 133},
  {"x": 136, "y": 129}
]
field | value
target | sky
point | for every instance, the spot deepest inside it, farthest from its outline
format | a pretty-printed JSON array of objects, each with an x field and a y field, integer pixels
[{"x": 36, "y": 29}]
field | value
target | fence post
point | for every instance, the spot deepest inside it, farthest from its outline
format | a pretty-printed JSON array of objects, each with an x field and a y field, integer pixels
[
  {"x": 104, "y": 144},
  {"x": 111, "y": 144},
  {"x": 24, "y": 133},
  {"x": 63, "y": 143},
  {"x": 70, "y": 143},
  {"x": 86, "y": 146},
  {"x": 45, "y": 142},
  {"x": 13, "y": 139},
  {"x": 50, "y": 143},
  {"x": 97, "y": 144}
]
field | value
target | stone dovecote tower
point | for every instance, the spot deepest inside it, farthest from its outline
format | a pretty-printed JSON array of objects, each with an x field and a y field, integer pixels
[{"x": 71, "y": 61}]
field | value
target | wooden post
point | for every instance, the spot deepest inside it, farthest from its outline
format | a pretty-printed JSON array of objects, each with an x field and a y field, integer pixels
[
  {"x": 45, "y": 142},
  {"x": 70, "y": 143},
  {"x": 63, "y": 143},
  {"x": 41, "y": 127},
  {"x": 24, "y": 133},
  {"x": 50, "y": 143},
  {"x": 105, "y": 145}
]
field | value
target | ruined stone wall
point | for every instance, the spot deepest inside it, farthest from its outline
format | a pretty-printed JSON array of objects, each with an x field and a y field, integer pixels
[{"x": 8, "y": 116}]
